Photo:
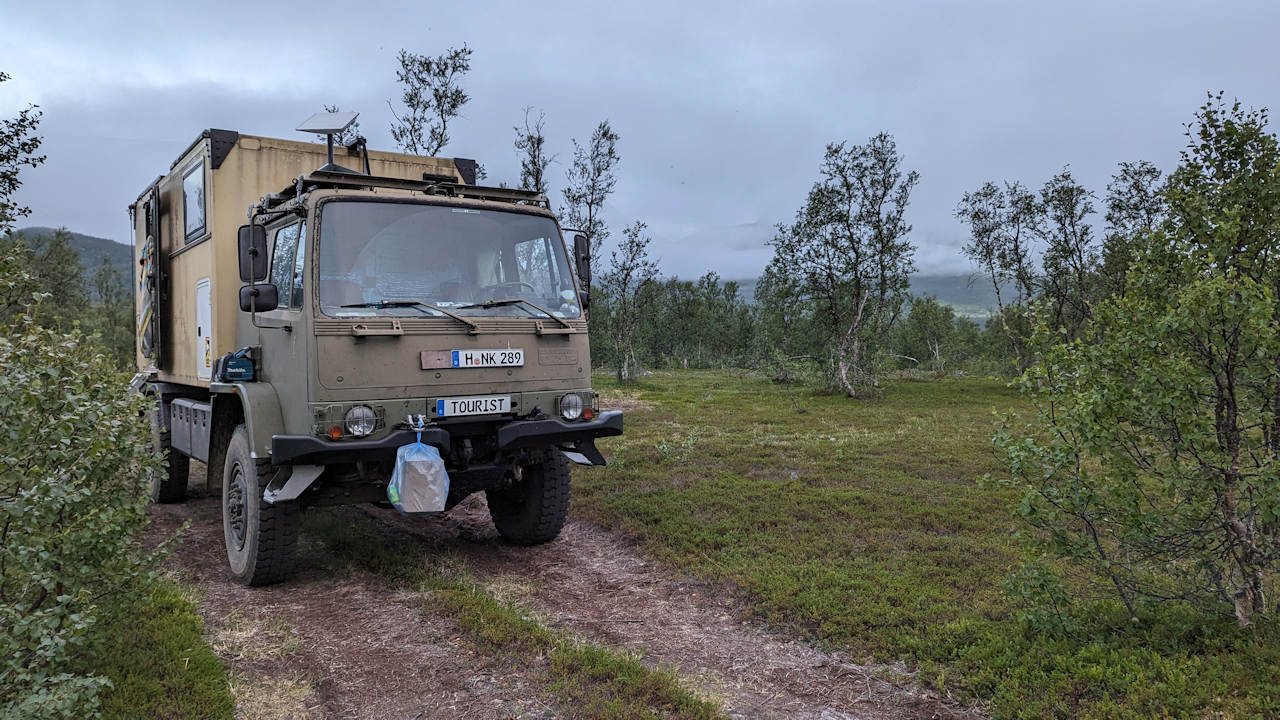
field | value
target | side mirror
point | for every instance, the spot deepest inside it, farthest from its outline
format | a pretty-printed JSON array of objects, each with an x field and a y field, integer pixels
[
  {"x": 582, "y": 257},
  {"x": 259, "y": 298},
  {"x": 584, "y": 299},
  {"x": 252, "y": 242}
]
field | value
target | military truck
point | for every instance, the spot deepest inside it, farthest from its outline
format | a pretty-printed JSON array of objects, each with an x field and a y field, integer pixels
[{"x": 300, "y": 321}]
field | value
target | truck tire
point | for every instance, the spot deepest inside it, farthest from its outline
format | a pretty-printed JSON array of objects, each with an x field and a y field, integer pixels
[
  {"x": 533, "y": 510},
  {"x": 170, "y": 486},
  {"x": 260, "y": 537}
]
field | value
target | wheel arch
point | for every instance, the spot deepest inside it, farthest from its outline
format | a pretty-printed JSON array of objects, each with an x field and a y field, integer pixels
[{"x": 256, "y": 406}]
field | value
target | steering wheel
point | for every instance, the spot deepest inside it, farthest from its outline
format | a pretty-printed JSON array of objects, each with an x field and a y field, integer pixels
[{"x": 514, "y": 283}]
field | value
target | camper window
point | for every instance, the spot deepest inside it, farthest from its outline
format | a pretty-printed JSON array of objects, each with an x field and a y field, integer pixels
[{"x": 193, "y": 202}]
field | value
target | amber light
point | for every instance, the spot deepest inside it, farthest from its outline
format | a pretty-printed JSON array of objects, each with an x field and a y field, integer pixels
[
  {"x": 588, "y": 413},
  {"x": 335, "y": 432}
]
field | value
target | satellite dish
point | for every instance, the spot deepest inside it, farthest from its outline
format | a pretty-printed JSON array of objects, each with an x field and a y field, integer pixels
[{"x": 329, "y": 124}]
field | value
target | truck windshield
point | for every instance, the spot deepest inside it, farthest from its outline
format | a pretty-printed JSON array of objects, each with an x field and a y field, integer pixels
[{"x": 376, "y": 257}]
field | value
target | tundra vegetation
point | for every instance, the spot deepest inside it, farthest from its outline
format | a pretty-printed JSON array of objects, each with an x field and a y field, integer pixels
[{"x": 1113, "y": 553}]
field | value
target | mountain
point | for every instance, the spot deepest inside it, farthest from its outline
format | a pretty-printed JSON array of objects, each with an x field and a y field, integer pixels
[
  {"x": 92, "y": 249},
  {"x": 969, "y": 295}
]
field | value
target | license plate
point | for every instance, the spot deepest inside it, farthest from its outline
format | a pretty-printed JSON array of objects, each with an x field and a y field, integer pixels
[
  {"x": 477, "y": 405},
  {"x": 487, "y": 358}
]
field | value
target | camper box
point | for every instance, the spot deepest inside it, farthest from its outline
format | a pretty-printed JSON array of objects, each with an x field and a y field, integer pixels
[{"x": 185, "y": 227}]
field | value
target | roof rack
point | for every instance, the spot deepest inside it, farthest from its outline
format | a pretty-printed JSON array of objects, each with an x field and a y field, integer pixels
[{"x": 430, "y": 184}]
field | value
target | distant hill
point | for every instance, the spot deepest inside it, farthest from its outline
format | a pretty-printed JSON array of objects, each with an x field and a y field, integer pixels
[
  {"x": 92, "y": 249},
  {"x": 969, "y": 295}
]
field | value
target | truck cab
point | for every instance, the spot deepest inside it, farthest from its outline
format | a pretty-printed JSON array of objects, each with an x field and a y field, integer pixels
[{"x": 368, "y": 312}]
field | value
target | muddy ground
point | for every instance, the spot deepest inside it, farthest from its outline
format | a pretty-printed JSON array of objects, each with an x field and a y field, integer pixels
[{"x": 343, "y": 643}]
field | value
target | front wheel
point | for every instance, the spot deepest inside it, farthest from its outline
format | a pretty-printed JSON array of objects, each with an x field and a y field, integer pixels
[
  {"x": 261, "y": 537},
  {"x": 533, "y": 510}
]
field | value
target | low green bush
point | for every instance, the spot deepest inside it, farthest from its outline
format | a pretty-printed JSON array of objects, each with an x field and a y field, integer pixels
[{"x": 75, "y": 461}]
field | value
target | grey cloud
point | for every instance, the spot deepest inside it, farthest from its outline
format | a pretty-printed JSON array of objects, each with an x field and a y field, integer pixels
[{"x": 723, "y": 108}]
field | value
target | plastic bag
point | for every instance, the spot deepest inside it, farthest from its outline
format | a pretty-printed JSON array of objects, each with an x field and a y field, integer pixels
[{"x": 419, "y": 483}]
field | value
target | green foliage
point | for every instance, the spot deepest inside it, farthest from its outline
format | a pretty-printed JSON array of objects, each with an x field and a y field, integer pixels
[
  {"x": 48, "y": 265},
  {"x": 531, "y": 146},
  {"x": 1068, "y": 283},
  {"x": 590, "y": 181},
  {"x": 18, "y": 146},
  {"x": 1153, "y": 470},
  {"x": 931, "y": 337},
  {"x": 625, "y": 287},
  {"x": 846, "y": 257},
  {"x": 1135, "y": 209},
  {"x": 431, "y": 98},
  {"x": 70, "y": 515}
]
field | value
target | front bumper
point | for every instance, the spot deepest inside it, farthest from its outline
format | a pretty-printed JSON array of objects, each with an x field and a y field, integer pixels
[{"x": 574, "y": 437}]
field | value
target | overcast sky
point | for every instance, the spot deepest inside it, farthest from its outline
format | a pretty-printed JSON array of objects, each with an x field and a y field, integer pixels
[{"x": 723, "y": 108}]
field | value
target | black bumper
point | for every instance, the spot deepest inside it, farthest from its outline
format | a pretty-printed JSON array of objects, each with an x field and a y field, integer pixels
[{"x": 576, "y": 436}]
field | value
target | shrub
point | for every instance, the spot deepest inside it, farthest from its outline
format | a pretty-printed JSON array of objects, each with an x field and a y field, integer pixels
[
  {"x": 1155, "y": 462},
  {"x": 75, "y": 460}
]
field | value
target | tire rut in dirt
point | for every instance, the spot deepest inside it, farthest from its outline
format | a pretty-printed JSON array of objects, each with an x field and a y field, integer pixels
[{"x": 595, "y": 585}]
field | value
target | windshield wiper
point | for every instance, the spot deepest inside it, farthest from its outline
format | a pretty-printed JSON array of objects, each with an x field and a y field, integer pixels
[
  {"x": 512, "y": 301},
  {"x": 415, "y": 304}
]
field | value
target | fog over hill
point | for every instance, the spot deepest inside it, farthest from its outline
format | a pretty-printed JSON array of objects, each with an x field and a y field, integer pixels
[{"x": 969, "y": 295}]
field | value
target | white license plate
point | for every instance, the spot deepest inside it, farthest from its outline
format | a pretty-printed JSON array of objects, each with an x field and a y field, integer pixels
[
  {"x": 487, "y": 358},
  {"x": 476, "y": 405}
]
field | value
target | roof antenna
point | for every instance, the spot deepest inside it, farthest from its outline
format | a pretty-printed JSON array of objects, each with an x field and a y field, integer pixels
[{"x": 329, "y": 124}]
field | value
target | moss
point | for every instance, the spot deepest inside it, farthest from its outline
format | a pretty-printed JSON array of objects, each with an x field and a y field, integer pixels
[{"x": 159, "y": 663}]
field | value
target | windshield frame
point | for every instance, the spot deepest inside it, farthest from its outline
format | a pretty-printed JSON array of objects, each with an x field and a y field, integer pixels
[{"x": 315, "y": 241}]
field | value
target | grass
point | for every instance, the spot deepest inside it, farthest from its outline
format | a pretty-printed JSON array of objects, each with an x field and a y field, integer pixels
[
  {"x": 159, "y": 663},
  {"x": 859, "y": 524},
  {"x": 590, "y": 681}
]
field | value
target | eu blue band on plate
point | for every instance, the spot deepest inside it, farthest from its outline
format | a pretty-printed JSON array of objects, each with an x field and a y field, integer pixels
[
  {"x": 455, "y": 361},
  {"x": 440, "y": 403}
]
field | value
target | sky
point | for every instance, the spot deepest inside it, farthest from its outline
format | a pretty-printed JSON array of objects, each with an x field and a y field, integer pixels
[{"x": 723, "y": 109}]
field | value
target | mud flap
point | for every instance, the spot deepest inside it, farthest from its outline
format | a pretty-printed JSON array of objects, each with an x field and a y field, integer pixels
[
  {"x": 290, "y": 482},
  {"x": 584, "y": 452}
]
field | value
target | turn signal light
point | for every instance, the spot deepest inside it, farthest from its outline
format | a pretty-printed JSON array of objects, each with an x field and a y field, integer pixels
[
  {"x": 588, "y": 413},
  {"x": 335, "y": 433}
]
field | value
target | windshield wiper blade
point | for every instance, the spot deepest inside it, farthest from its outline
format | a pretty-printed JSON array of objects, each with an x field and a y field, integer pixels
[
  {"x": 513, "y": 301},
  {"x": 416, "y": 303}
]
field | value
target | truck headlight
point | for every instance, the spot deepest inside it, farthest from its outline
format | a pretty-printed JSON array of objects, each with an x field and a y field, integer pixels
[
  {"x": 360, "y": 420},
  {"x": 571, "y": 406}
]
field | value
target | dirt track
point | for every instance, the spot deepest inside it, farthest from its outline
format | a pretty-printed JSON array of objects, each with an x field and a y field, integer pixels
[{"x": 342, "y": 645}]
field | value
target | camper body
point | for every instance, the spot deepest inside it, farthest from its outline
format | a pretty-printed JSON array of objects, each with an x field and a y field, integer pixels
[{"x": 298, "y": 327}]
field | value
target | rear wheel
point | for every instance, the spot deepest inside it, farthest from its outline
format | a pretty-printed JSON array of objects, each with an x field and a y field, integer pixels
[
  {"x": 170, "y": 485},
  {"x": 261, "y": 537},
  {"x": 533, "y": 510}
]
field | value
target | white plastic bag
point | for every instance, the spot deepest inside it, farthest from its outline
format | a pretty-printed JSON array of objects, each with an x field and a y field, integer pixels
[{"x": 419, "y": 483}]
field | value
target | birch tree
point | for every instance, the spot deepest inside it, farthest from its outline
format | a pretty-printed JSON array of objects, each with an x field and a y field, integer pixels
[
  {"x": 590, "y": 182},
  {"x": 531, "y": 146},
  {"x": 432, "y": 96},
  {"x": 626, "y": 286},
  {"x": 848, "y": 252}
]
